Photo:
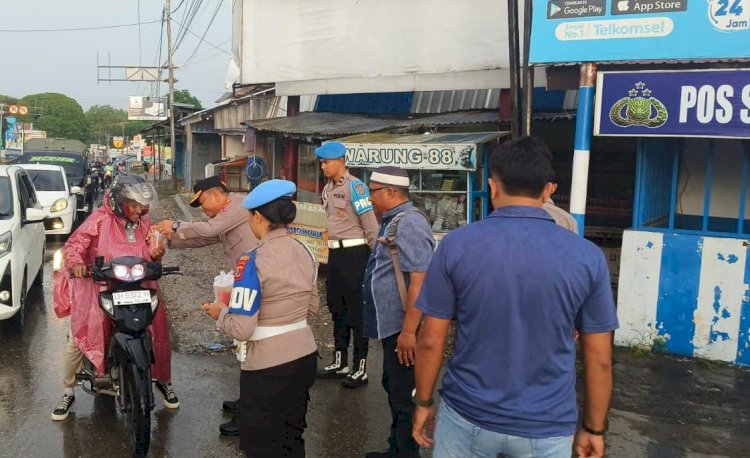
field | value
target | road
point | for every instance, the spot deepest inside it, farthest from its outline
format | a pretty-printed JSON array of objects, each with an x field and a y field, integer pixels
[{"x": 662, "y": 407}]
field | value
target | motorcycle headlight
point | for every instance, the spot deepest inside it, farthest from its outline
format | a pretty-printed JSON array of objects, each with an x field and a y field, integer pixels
[
  {"x": 154, "y": 301},
  {"x": 108, "y": 306},
  {"x": 5, "y": 243},
  {"x": 59, "y": 205}
]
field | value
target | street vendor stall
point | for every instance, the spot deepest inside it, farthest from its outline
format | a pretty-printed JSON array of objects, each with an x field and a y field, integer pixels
[{"x": 448, "y": 171}]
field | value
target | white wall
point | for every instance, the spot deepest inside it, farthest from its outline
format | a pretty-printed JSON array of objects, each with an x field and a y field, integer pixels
[{"x": 725, "y": 182}]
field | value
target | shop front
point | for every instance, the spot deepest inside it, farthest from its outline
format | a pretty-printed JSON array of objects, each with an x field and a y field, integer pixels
[
  {"x": 448, "y": 172},
  {"x": 685, "y": 270}
]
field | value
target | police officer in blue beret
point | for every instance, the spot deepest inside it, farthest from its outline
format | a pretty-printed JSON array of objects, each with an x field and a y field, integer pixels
[
  {"x": 352, "y": 232},
  {"x": 275, "y": 291}
]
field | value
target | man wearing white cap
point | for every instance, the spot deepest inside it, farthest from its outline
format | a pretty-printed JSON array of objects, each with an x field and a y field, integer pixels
[
  {"x": 352, "y": 230},
  {"x": 393, "y": 278}
]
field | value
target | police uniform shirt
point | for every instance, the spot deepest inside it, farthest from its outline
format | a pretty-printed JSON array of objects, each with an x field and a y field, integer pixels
[
  {"x": 561, "y": 217},
  {"x": 286, "y": 276},
  {"x": 350, "y": 213},
  {"x": 230, "y": 228}
]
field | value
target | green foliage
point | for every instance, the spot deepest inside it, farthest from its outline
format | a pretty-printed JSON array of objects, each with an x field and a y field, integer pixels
[
  {"x": 184, "y": 96},
  {"x": 7, "y": 99},
  {"x": 106, "y": 122},
  {"x": 58, "y": 114}
]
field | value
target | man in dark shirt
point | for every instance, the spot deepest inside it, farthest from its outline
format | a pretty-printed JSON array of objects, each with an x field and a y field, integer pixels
[{"x": 517, "y": 285}]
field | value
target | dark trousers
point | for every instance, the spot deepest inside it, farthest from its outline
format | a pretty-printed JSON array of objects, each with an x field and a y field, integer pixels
[
  {"x": 398, "y": 381},
  {"x": 273, "y": 406},
  {"x": 346, "y": 271}
]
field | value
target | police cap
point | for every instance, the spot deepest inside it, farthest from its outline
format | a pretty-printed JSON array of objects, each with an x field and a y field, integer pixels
[
  {"x": 205, "y": 185},
  {"x": 268, "y": 191},
  {"x": 331, "y": 150}
]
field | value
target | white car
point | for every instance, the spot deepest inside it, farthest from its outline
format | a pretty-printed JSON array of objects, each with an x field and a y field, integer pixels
[
  {"x": 56, "y": 195},
  {"x": 21, "y": 243}
]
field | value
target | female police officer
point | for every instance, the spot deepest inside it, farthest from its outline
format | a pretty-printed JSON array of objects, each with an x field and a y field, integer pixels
[{"x": 275, "y": 290}]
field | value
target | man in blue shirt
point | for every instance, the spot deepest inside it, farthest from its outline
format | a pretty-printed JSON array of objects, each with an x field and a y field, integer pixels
[
  {"x": 387, "y": 315},
  {"x": 518, "y": 286}
]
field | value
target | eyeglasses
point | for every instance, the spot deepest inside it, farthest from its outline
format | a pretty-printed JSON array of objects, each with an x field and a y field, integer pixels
[{"x": 373, "y": 191}]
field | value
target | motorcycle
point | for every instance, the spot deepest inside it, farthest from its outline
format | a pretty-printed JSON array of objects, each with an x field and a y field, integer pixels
[
  {"x": 127, "y": 374},
  {"x": 107, "y": 179}
]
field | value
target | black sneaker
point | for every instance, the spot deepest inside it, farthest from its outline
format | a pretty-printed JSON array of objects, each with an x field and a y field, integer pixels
[
  {"x": 230, "y": 406},
  {"x": 357, "y": 378},
  {"x": 230, "y": 428},
  {"x": 379, "y": 454},
  {"x": 170, "y": 397},
  {"x": 63, "y": 407}
]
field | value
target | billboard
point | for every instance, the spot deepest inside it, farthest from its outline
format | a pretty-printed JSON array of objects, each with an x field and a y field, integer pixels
[
  {"x": 146, "y": 109},
  {"x": 621, "y": 30},
  {"x": 346, "y": 46},
  {"x": 700, "y": 103}
]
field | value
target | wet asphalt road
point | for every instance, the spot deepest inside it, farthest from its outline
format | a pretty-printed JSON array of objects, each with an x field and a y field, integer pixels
[
  {"x": 662, "y": 407},
  {"x": 342, "y": 423}
]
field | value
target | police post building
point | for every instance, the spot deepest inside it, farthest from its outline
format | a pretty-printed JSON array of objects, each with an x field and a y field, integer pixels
[{"x": 675, "y": 75}]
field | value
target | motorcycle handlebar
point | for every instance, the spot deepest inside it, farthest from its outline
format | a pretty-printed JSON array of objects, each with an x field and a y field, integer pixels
[{"x": 170, "y": 270}]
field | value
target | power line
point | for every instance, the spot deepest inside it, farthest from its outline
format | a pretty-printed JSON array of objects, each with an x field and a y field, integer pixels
[
  {"x": 216, "y": 11},
  {"x": 204, "y": 41},
  {"x": 78, "y": 29}
]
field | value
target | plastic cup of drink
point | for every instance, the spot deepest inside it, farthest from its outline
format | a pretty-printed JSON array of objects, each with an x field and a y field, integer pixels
[
  {"x": 223, "y": 294},
  {"x": 157, "y": 240}
]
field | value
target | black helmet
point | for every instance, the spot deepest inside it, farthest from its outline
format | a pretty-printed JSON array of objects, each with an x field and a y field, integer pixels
[{"x": 127, "y": 187}]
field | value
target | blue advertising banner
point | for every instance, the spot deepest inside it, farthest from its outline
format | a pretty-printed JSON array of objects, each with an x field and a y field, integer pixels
[
  {"x": 700, "y": 103},
  {"x": 619, "y": 30}
]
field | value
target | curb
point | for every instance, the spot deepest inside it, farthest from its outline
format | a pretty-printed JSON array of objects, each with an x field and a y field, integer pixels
[{"x": 184, "y": 208}]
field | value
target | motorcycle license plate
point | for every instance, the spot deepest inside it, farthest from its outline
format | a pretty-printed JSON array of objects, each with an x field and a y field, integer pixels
[{"x": 132, "y": 297}]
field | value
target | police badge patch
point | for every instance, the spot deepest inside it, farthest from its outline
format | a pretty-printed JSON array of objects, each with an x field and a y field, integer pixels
[{"x": 360, "y": 197}]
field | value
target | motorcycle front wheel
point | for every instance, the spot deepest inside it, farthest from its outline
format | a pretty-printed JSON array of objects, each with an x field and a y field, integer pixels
[{"x": 135, "y": 383}]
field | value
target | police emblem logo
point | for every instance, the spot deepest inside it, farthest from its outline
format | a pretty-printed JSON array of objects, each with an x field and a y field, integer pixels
[
  {"x": 360, "y": 189},
  {"x": 239, "y": 271}
]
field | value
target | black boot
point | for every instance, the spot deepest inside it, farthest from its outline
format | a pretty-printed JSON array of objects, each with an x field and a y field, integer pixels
[
  {"x": 230, "y": 428},
  {"x": 357, "y": 378},
  {"x": 338, "y": 368},
  {"x": 230, "y": 406}
]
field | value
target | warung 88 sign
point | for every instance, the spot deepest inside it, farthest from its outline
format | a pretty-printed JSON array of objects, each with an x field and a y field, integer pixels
[{"x": 432, "y": 156}]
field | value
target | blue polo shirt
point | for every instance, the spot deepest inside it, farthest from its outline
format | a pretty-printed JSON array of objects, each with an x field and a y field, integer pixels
[
  {"x": 383, "y": 312},
  {"x": 517, "y": 285}
]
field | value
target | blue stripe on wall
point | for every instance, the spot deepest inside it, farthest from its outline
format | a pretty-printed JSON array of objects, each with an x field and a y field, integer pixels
[
  {"x": 743, "y": 338},
  {"x": 678, "y": 291}
]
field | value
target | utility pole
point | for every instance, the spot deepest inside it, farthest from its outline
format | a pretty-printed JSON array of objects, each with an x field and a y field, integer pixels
[{"x": 170, "y": 68}]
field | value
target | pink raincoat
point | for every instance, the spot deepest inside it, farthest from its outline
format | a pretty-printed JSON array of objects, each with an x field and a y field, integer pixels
[{"x": 103, "y": 234}]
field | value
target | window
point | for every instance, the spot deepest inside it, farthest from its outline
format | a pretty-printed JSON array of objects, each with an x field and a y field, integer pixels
[
  {"x": 47, "y": 180},
  {"x": 693, "y": 186},
  {"x": 309, "y": 176},
  {"x": 6, "y": 198}
]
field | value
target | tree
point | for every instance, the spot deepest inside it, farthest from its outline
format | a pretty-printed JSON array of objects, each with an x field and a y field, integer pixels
[
  {"x": 106, "y": 121},
  {"x": 8, "y": 99},
  {"x": 184, "y": 96},
  {"x": 58, "y": 114}
]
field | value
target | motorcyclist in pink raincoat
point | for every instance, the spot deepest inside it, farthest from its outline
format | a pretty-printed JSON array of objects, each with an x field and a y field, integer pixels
[{"x": 120, "y": 227}]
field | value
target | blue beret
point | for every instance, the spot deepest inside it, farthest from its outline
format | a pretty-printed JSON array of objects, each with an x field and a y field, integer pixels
[
  {"x": 268, "y": 191},
  {"x": 331, "y": 150}
]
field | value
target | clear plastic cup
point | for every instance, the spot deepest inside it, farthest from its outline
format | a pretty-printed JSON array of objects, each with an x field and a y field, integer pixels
[
  {"x": 222, "y": 294},
  {"x": 157, "y": 240}
]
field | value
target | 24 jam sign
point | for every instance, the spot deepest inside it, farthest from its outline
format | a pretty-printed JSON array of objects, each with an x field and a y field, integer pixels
[{"x": 729, "y": 15}]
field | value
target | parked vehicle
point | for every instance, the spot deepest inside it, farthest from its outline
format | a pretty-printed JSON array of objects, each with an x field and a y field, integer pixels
[
  {"x": 21, "y": 244},
  {"x": 57, "y": 197},
  {"x": 77, "y": 170},
  {"x": 130, "y": 308}
]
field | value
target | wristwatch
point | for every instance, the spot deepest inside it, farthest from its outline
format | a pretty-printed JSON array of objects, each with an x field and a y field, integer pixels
[
  {"x": 420, "y": 403},
  {"x": 594, "y": 432},
  {"x": 175, "y": 226}
]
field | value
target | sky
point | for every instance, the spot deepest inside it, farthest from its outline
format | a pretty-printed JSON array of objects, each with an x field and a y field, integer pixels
[{"x": 66, "y": 62}]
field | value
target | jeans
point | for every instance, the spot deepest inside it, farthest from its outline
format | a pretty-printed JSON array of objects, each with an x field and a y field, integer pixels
[{"x": 456, "y": 437}]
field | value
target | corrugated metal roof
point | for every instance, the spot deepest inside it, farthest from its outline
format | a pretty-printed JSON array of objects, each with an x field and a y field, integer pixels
[
  {"x": 337, "y": 124},
  {"x": 412, "y": 139}
]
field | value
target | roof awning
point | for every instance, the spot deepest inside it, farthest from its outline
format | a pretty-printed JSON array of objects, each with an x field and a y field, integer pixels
[{"x": 326, "y": 125}]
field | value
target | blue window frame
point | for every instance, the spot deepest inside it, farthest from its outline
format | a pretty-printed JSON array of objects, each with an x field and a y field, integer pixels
[{"x": 692, "y": 186}]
